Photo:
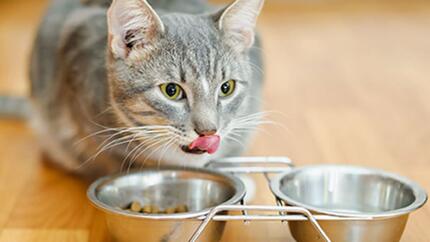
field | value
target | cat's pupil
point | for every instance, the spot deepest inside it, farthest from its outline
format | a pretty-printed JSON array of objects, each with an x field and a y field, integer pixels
[
  {"x": 171, "y": 89},
  {"x": 225, "y": 88}
]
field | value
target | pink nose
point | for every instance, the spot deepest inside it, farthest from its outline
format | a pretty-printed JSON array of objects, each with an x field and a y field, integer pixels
[{"x": 208, "y": 143}]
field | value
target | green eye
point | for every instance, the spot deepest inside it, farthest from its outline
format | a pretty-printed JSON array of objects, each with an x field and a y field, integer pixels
[
  {"x": 172, "y": 91},
  {"x": 227, "y": 88}
]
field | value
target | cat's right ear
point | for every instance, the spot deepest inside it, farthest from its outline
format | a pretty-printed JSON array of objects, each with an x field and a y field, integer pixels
[
  {"x": 132, "y": 25},
  {"x": 237, "y": 23}
]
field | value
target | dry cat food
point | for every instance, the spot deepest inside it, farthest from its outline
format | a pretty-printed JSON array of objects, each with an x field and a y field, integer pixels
[{"x": 154, "y": 209}]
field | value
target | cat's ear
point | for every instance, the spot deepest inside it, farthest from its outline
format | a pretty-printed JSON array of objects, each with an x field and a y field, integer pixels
[
  {"x": 132, "y": 24},
  {"x": 237, "y": 22}
]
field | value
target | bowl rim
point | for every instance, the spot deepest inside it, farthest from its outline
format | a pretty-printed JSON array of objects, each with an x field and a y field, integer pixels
[
  {"x": 419, "y": 193},
  {"x": 235, "y": 182}
]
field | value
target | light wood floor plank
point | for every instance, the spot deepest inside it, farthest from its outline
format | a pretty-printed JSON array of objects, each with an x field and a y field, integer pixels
[
  {"x": 345, "y": 83},
  {"x": 38, "y": 235}
]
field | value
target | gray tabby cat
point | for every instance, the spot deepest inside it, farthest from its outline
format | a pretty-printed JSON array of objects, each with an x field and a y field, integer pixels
[{"x": 164, "y": 82}]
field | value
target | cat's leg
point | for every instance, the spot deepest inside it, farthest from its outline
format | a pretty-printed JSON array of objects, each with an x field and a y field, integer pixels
[
  {"x": 49, "y": 143},
  {"x": 61, "y": 149}
]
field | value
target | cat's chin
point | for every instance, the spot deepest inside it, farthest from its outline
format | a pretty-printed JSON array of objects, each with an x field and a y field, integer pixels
[
  {"x": 178, "y": 157},
  {"x": 187, "y": 150}
]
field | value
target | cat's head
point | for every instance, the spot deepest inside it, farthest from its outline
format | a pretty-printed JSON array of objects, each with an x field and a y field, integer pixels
[{"x": 181, "y": 82}]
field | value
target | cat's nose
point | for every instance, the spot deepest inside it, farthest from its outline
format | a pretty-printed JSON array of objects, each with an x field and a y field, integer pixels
[{"x": 206, "y": 132}]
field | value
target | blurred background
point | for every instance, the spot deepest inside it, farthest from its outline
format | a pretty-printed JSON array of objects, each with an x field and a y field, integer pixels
[{"x": 347, "y": 81}]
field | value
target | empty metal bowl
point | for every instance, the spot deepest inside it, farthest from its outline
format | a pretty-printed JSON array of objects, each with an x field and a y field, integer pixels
[
  {"x": 382, "y": 199},
  {"x": 199, "y": 189}
]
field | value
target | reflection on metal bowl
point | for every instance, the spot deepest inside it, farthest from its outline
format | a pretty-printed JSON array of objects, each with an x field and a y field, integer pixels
[
  {"x": 350, "y": 191},
  {"x": 199, "y": 189}
]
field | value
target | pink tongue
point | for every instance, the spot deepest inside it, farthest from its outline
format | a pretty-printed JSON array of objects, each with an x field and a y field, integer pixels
[{"x": 206, "y": 143}]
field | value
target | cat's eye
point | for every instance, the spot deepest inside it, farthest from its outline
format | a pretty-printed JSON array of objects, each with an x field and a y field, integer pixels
[
  {"x": 172, "y": 91},
  {"x": 227, "y": 88}
]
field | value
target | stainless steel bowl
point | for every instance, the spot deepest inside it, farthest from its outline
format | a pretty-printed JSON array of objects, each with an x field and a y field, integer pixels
[
  {"x": 199, "y": 189},
  {"x": 350, "y": 191}
]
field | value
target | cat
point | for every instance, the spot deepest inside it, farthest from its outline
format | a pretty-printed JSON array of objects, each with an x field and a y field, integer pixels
[{"x": 128, "y": 83}]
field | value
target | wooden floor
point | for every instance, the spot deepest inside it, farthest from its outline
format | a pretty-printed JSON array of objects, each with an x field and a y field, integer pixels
[{"x": 348, "y": 84}]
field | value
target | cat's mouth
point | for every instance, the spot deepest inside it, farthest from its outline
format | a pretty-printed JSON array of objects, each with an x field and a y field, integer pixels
[
  {"x": 195, "y": 151},
  {"x": 203, "y": 144}
]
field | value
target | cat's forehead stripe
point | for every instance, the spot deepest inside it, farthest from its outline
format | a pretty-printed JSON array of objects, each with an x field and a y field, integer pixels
[{"x": 205, "y": 86}]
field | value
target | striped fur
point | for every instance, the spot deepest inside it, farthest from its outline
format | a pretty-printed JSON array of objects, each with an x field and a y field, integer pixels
[{"x": 97, "y": 112}]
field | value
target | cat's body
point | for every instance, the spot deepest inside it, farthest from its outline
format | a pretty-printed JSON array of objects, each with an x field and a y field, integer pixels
[{"x": 73, "y": 98}]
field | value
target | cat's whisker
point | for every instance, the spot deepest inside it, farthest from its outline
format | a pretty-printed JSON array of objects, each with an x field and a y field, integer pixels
[
  {"x": 108, "y": 109},
  {"x": 147, "y": 141},
  {"x": 137, "y": 154},
  {"x": 138, "y": 130},
  {"x": 116, "y": 130},
  {"x": 130, "y": 142},
  {"x": 135, "y": 149},
  {"x": 152, "y": 152},
  {"x": 250, "y": 128},
  {"x": 169, "y": 138},
  {"x": 235, "y": 140},
  {"x": 134, "y": 154},
  {"x": 254, "y": 121},
  {"x": 256, "y": 118},
  {"x": 257, "y": 114},
  {"x": 246, "y": 122},
  {"x": 250, "y": 122},
  {"x": 108, "y": 141},
  {"x": 140, "y": 149},
  {"x": 94, "y": 134},
  {"x": 278, "y": 124},
  {"x": 116, "y": 142},
  {"x": 107, "y": 147},
  {"x": 93, "y": 157},
  {"x": 108, "y": 144},
  {"x": 164, "y": 150},
  {"x": 140, "y": 152}
]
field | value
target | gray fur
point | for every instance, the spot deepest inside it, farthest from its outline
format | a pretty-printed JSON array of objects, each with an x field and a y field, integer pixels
[
  {"x": 13, "y": 107},
  {"x": 73, "y": 96}
]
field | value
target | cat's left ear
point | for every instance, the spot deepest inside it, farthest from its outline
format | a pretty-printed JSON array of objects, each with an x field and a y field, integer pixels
[
  {"x": 132, "y": 25},
  {"x": 237, "y": 22}
]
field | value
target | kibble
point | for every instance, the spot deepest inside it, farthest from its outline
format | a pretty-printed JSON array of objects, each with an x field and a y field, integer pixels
[
  {"x": 181, "y": 209},
  {"x": 147, "y": 209},
  {"x": 153, "y": 209},
  {"x": 171, "y": 210},
  {"x": 135, "y": 207}
]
